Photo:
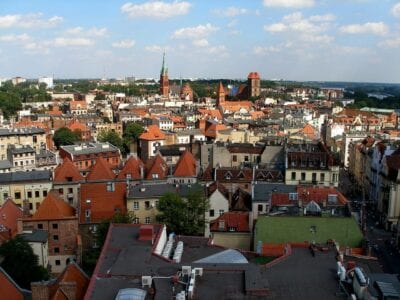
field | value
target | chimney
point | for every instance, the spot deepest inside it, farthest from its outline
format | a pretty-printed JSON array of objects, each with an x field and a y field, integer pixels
[
  {"x": 25, "y": 208},
  {"x": 40, "y": 291},
  {"x": 69, "y": 289}
]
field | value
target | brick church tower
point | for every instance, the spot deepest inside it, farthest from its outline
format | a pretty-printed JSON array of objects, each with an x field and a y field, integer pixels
[
  {"x": 253, "y": 83},
  {"x": 220, "y": 94},
  {"x": 164, "y": 83}
]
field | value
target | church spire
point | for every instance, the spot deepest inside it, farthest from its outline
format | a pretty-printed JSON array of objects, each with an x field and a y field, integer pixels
[{"x": 164, "y": 69}]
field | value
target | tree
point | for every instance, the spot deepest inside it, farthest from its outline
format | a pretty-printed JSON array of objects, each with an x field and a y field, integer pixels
[
  {"x": 9, "y": 104},
  {"x": 21, "y": 263},
  {"x": 64, "y": 136},
  {"x": 183, "y": 216},
  {"x": 111, "y": 137},
  {"x": 131, "y": 134}
]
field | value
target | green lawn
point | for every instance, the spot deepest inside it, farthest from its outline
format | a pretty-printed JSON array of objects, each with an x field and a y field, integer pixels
[{"x": 297, "y": 229}]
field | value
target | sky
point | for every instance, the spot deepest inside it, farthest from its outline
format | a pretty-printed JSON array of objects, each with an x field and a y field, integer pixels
[{"x": 320, "y": 40}]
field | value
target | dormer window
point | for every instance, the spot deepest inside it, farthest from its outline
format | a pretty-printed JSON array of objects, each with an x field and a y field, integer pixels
[
  {"x": 69, "y": 178},
  {"x": 110, "y": 187}
]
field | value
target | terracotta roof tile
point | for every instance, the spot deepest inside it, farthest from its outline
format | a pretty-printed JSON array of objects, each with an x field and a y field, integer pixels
[
  {"x": 186, "y": 165},
  {"x": 237, "y": 220},
  {"x": 72, "y": 273},
  {"x": 9, "y": 288},
  {"x": 101, "y": 170},
  {"x": 253, "y": 75},
  {"x": 156, "y": 165},
  {"x": 66, "y": 171},
  {"x": 53, "y": 208},
  {"x": 152, "y": 133},
  {"x": 103, "y": 204},
  {"x": 134, "y": 167},
  {"x": 9, "y": 213}
]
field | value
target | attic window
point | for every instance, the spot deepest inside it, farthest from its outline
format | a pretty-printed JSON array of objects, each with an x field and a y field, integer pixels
[
  {"x": 110, "y": 187},
  {"x": 241, "y": 175},
  {"x": 69, "y": 178},
  {"x": 293, "y": 196},
  {"x": 228, "y": 175},
  {"x": 332, "y": 199},
  {"x": 221, "y": 225}
]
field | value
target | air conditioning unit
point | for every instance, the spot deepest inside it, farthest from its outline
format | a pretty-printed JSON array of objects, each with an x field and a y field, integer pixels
[
  {"x": 198, "y": 271},
  {"x": 186, "y": 270},
  {"x": 146, "y": 281}
]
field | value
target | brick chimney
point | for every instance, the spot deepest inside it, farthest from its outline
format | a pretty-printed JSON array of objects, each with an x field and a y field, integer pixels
[
  {"x": 40, "y": 291},
  {"x": 69, "y": 289}
]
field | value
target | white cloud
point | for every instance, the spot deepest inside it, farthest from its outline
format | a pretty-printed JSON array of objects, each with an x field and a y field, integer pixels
[
  {"x": 396, "y": 10},
  {"x": 220, "y": 50},
  {"x": 260, "y": 50},
  {"x": 72, "y": 42},
  {"x": 125, "y": 44},
  {"x": 289, "y": 3},
  {"x": 232, "y": 23},
  {"x": 276, "y": 27},
  {"x": 295, "y": 22},
  {"x": 91, "y": 32},
  {"x": 33, "y": 20},
  {"x": 390, "y": 43},
  {"x": 198, "y": 32},
  {"x": 351, "y": 50},
  {"x": 158, "y": 48},
  {"x": 317, "y": 39},
  {"x": 231, "y": 11},
  {"x": 200, "y": 43},
  {"x": 156, "y": 9},
  {"x": 377, "y": 28},
  {"x": 10, "y": 38}
]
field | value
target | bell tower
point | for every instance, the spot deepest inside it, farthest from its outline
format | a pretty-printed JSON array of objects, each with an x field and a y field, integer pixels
[{"x": 164, "y": 82}]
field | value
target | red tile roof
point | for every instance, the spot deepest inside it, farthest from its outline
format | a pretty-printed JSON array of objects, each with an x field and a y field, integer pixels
[
  {"x": 186, "y": 165},
  {"x": 9, "y": 213},
  {"x": 253, "y": 75},
  {"x": 212, "y": 130},
  {"x": 319, "y": 194},
  {"x": 8, "y": 288},
  {"x": 53, "y": 208},
  {"x": 102, "y": 204},
  {"x": 72, "y": 273},
  {"x": 156, "y": 165},
  {"x": 66, "y": 170},
  {"x": 152, "y": 133},
  {"x": 234, "y": 219},
  {"x": 213, "y": 113},
  {"x": 76, "y": 125},
  {"x": 101, "y": 170},
  {"x": 133, "y": 166}
]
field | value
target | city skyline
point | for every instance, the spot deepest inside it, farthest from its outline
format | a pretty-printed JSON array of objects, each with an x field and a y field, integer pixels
[{"x": 355, "y": 40}]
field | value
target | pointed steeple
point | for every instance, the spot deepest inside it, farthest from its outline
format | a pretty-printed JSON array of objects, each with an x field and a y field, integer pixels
[{"x": 164, "y": 69}]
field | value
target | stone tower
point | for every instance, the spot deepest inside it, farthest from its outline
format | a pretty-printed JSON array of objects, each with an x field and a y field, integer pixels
[{"x": 164, "y": 82}]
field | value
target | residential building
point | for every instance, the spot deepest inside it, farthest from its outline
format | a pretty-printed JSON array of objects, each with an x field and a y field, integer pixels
[
  {"x": 33, "y": 136},
  {"x": 150, "y": 141},
  {"x": 85, "y": 155},
  {"x": 60, "y": 220},
  {"x": 21, "y": 157},
  {"x": 218, "y": 204},
  {"x": 38, "y": 240}
]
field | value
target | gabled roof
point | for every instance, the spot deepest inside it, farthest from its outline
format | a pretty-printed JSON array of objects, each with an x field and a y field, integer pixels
[
  {"x": 212, "y": 130},
  {"x": 66, "y": 171},
  {"x": 101, "y": 171},
  {"x": 152, "y": 133},
  {"x": 186, "y": 165},
  {"x": 133, "y": 166},
  {"x": 9, "y": 213},
  {"x": 234, "y": 219},
  {"x": 53, "y": 208},
  {"x": 9, "y": 289},
  {"x": 76, "y": 125},
  {"x": 72, "y": 273},
  {"x": 156, "y": 165}
]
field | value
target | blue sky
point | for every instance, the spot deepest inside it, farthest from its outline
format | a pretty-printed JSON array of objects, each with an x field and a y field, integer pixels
[{"x": 333, "y": 40}]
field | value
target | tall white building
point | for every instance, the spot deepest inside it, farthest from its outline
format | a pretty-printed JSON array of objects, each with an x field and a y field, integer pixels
[{"x": 47, "y": 80}]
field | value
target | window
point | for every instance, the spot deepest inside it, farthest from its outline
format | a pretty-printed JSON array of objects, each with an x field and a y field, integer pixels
[
  {"x": 334, "y": 177},
  {"x": 260, "y": 207},
  {"x": 70, "y": 190},
  {"x": 5, "y": 195},
  {"x": 234, "y": 158},
  {"x": 155, "y": 176},
  {"x": 110, "y": 187},
  {"x": 314, "y": 177},
  {"x": 147, "y": 220},
  {"x": 61, "y": 191},
  {"x": 30, "y": 206},
  {"x": 58, "y": 262},
  {"x": 128, "y": 176},
  {"x": 54, "y": 226},
  {"x": 37, "y": 194},
  {"x": 136, "y": 205},
  {"x": 17, "y": 195},
  {"x": 34, "y": 138},
  {"x": 303, "y": 176},
  {"x": 69, "y": 178},
  {"x": 293, "y": 175},
  {"x": 211, "y": 213},
  {"x": 40, "y": 226},
  {"x": 232, "y": 229},
  {"x": 87, "y": 213},
  {"x": 322, "y": 177},
  {"x": 56, "y": 250},
  {"x": 55, "y": 237},
  {"x": 29, "y": 194},
  {"x": 147, "y": 204},
  {"x": 293, "y": 196},
  {"x": 221, "y": 212},
  {"x": 44, "y": 193},
  {"x": 332, "y": 199},
  {"x": 246, "y": 158}
]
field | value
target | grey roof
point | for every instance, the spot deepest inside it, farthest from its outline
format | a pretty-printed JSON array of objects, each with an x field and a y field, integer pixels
[
  {"x": 189, "y": 132},
  {"x": 20, "y": 176},
  {"x": 5, "y": 164},
  {"x": 263, "y": 190},
  {"x": 89, "y": 148},
  {"x": 21, "y": 131},
  {"x": 39, "y": 236},
  {"x": 45, "y": 153},
  {"x": 16, "y": 149},
  {"x": 155, "y": 190},
  {"x": 229, "y": 256}
]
